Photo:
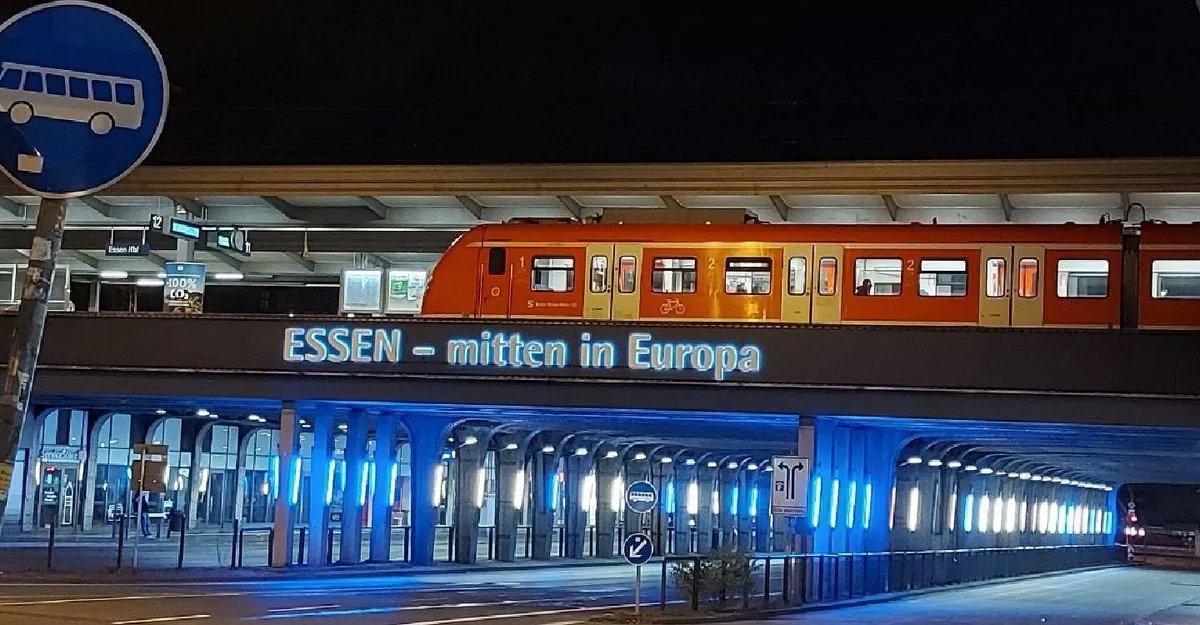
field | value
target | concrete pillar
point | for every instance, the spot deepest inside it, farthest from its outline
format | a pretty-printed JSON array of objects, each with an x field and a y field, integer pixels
[
  {"x": 320, "y": 486},
  {"x": 685, "y": 474},
  {"x": 245, "y": 435},
  {"x": 608, "y": 472},
  {"x": 427, "y": 439},
  {"x": 289, "y": 455},
  {"x": 575, "y": 510},
  {"x": 727, "y": 518},
  {"x": 89, "y": 487},
  {"x": 512, "y": 485},
  {"x": 762, "y": 510},
  {"x": 94, "y": 295},
  {"x": 706, "y": 482},
  {"x": 353, "y": 495},
  {"x": 31, "y": 437},
  {"x": 468, "y": 469},
  {"x": 197, "y": 474},
  {"x": 745, "y": 522},
  {"x": 544, "y": 467},
  {"x": 383, "y": 497}
]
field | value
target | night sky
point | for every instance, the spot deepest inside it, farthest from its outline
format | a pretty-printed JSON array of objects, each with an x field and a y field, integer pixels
[{"x": 400, "y": 82}]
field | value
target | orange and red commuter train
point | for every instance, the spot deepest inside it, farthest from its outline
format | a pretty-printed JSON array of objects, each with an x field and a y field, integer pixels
[{"x": 1073, "y": 276}]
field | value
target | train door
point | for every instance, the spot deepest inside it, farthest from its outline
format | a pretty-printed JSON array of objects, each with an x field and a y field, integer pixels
[
  {"x": 827, "y": 284},
  {"x": 995, "y": 295},
  {"x": 1029, "y": 286},
  {"x": 598, "y": 299},
  {"x": 626, "y": 292},
  {"x": 797, "y": 296},
  {"x": 495, "y": 282}
]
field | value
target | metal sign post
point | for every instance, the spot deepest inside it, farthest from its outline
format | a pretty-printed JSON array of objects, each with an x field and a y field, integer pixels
[
  {"x": 87, "y": 101},
  {"x": 637, "y": 550}
]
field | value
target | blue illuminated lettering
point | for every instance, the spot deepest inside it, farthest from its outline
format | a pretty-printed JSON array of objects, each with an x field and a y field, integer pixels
[
  {"x": 637, "y": 351},
  {"x": 533, "y": 354},
  {"x": 604, "y": 355},
  {"x": 293, "y": 345},
  {"x": 360, "y": 339},
  {"x": 339, "y": 344},
  {"x": 462, "y": 352},
  {"x": 387, "y": 346},
  {"x": 647, "y": 354},
  {"x": 318, "y": 350}
]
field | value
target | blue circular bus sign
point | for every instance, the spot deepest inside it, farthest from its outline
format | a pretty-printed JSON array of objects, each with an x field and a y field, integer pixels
[
  {"x": 83, "y": 97},
  {"x": 641, "y": 497}
]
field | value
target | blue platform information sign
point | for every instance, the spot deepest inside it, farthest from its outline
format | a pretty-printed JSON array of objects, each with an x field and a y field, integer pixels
[
  {"x": 183, "y": 288},
  {"x": 641, "y": 497},
  {"x": 637, "y": 549},
  {"x": 83, "y": 97}
]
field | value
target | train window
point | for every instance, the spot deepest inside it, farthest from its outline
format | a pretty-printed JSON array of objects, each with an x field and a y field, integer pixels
[
  {"x": 1027, "y": 278},
  {"x": 877, "y": 276},
  {"x": 943, "y": 278},
  {"x": 827, "y": 285},
  {"x": 627, "y": 280},
  {"x": 749, "y": 276},
  {"x": 555, "y": 274},
  {"x": 997, "y": 277},
  {"x": 599, "y": 281},
  {"x": 673, "y": 275},
  {"x": 496, "y": 261},
  {"x": 1175, "y": 279},
  {"x": 1083, "y": 278},
  {"x": 797, "y": 275}
]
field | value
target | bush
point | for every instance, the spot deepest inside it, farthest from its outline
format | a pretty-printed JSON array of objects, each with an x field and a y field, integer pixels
[{"x": 717, "y": 577}]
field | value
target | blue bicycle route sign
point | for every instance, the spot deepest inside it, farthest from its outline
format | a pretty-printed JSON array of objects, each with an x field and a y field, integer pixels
[{"x": 83, "y": 97}]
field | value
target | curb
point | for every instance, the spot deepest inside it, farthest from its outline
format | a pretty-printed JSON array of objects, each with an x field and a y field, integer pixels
[{"x": 211, "y": 575}]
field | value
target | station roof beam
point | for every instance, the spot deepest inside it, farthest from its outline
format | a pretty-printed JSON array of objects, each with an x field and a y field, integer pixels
[
  {"x": 471, "y": 206},
  {"x": 893, "y": 209},
  {"x": 781, "y": 206},
  {"x": 194, "y": 207},
  {"x": 17, "y": 209},
  {"x": 329, "y": 211},
  {"x": 99, "y": 205}
]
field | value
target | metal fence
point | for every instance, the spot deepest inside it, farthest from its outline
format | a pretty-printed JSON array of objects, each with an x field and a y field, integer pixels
[{"x": 784, "y": 579}]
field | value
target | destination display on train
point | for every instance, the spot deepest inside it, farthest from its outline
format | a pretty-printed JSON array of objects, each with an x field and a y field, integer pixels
[{"x": 513, "y": 350}]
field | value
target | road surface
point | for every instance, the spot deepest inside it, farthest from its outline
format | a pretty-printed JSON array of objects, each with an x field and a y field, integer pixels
[{"x": 535, "y": 597}]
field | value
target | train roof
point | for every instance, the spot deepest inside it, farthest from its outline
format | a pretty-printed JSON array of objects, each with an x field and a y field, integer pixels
[{"x": 1108, "y": 233}]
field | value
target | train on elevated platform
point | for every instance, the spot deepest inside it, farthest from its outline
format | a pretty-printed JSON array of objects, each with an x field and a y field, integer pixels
[{"x": 1108, "y": 275}]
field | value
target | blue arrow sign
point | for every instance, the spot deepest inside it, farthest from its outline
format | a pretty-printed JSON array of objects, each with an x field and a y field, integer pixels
[
  {"x": 85, "y": 91},
  {"x": 637, "y": 549},
  {"x": 641, "y": 497}
]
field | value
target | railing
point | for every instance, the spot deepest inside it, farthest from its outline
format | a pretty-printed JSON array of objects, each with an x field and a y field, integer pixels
[{"x": 797, "y": 579}]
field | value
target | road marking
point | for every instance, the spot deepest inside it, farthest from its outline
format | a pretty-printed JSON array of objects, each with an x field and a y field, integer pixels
[
  {"x": 327, "y": 606},
  {"x": 496, "y": 617},
  {"x": 164, "y": 619},
  {"x": 129, "y": 598}
]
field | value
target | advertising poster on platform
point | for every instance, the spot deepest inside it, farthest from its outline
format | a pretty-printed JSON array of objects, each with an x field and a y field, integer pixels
[{"x": 183, "y": 289}]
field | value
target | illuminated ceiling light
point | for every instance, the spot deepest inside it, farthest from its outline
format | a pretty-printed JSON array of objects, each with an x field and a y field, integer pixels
[
  {"x": 161, "y": 274},
  {"x": 1036, "y": 478},
  {"x": 228, "y": 275},
  {"x": 1108, "y": 488},
  {"x": 934, "y": 462},
  {"x": 731, "y": 465},
  {"x": 160, "y": 411},
  {"x": 768, "y": 469},
  {"x": 611, "y": 454},
  {"x": 470, "y": 440},
  {"x": 712, "y": 464},
  {"x": 213, "y": 415},
  {"x": 914, "y": 460},
  {"x": 511, "y": 446},
  {"x": 255, "y": 417},
  {"x": 149, "y": 282},
  {"x": 986, "y": 471},
  {"x": 1001, "y": 473},
  {"x": 954, "y": 464},
  {"x": 752, "y": 467},
  {"x": 202, "y": 412},
  {"x": 691, "y": 462},
  {"x": 1025, "y": 476},
  {"x": 114, "y": 274},
  {"x": 970, "y": 467},
  {"x": 343, "y": 427},
  {"x": 666, "y": 460},
  {"x": 639, "y": 456},
  {"x": 548, "y": 449},
  {"x": 581, "y": 451}
]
